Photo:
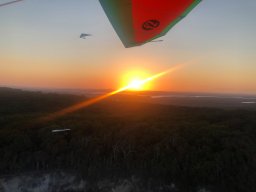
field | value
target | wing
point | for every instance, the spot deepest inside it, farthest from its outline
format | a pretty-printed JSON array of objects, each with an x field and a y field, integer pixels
[
  {"x": 139, "y": 21},
  {"x": 8, "y": 3}
]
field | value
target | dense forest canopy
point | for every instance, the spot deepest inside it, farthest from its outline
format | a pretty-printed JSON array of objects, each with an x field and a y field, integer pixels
[{"x": 192, "y": 147}]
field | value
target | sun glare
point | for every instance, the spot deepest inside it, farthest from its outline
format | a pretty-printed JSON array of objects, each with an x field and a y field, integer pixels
[
  {"x": 133, "y": 80},
  {"x": 136, "y": 85}
]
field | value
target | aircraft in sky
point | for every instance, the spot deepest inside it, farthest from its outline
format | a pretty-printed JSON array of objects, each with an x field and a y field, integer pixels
[
  {"x": 141, "y": 21},
  {"x": 84, "y": 35}
]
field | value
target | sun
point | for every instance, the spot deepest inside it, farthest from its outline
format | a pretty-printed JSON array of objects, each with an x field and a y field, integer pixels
[
  {"x": 134, "y": 81},
  {"x": 136, "y": 84}
]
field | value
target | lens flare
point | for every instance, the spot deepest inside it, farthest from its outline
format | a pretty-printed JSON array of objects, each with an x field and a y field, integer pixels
[{"x": 132, "y": 85}]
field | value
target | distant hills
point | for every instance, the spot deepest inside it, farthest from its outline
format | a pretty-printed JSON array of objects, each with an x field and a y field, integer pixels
[{"x": 158, "y": 97}]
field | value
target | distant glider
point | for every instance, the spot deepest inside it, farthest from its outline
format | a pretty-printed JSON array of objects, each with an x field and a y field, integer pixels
[
  {"x": 84, "y": 35},
  {"x": 140, "y": 21}
]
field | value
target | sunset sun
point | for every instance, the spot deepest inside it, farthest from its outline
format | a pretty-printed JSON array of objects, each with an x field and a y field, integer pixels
[
  {"x": 136, "y": 85},
  {"x": 134, "y": 81}
]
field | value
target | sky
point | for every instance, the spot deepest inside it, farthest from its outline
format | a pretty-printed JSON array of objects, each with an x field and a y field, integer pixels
[{"x": 40, "y": 47}]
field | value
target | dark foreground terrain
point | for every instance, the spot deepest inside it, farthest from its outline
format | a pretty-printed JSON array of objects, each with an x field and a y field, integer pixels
[{"x": 185, "y": 148}]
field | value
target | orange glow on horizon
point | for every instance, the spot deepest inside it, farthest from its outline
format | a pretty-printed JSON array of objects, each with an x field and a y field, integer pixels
[{"x": 92, "y": 101}]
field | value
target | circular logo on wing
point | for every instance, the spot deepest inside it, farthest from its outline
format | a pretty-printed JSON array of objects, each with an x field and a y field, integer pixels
[{"x": 150, "y": 24}]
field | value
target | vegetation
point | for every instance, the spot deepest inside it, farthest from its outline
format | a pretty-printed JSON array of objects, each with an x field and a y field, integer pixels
[{"x": 192, "y": 147}]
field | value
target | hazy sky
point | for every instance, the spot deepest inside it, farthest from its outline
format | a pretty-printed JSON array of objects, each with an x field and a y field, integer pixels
[{"x": 40, "y": 47}]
